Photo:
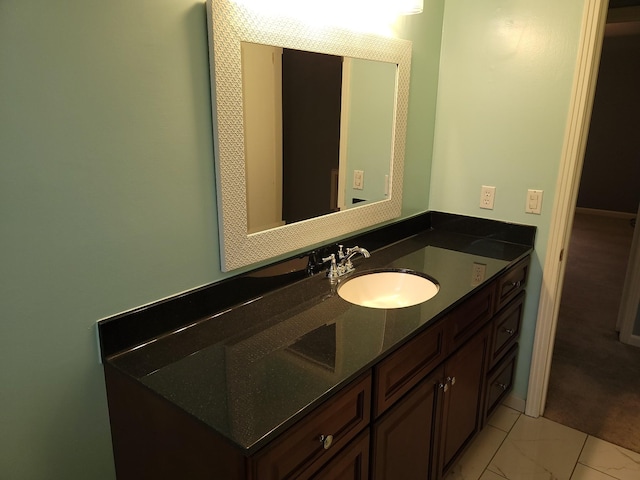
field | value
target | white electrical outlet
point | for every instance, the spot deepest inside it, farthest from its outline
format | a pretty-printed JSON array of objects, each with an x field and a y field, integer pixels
[
  {"x": 487, "y": 197},
  {"x": 478, "y": 273}
]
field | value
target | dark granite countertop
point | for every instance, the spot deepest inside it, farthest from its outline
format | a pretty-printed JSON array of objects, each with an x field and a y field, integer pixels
[{"x": 253, "y": 370}]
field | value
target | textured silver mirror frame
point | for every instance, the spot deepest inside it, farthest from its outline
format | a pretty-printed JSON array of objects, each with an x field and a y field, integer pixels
[{"x": 231, "y": 23}]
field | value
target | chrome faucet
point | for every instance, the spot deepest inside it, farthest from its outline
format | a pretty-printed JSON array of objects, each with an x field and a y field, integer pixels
[{"x": 342, "y": 265}]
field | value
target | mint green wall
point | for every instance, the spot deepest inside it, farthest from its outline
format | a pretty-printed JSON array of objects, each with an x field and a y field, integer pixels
[
  {"x": 107, "y": 199},
  {"x": 505, "y": 81},
  {"x": 425, "y": 31}
]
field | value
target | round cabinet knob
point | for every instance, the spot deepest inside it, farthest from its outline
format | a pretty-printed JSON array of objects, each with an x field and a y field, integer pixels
[
  {"x": 326, "y": 441},
  {"x": 509, "y": 331},
  {"x": 502, "y": 386}
]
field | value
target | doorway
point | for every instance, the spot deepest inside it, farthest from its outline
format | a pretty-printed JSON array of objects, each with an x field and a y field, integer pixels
[
  {"x": 594, "y": 384},
  {"x": 311, "y": 103},
  {"x": 551, "y": 306}
]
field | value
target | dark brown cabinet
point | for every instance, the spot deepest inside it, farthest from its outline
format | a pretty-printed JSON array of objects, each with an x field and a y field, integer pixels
[
  {"x": 408, "y": 417},
  {"x": 430, "y": 396},
  {"x": 505, "y": 330}
]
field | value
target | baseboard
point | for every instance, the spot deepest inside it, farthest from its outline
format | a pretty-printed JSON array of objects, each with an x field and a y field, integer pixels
[
  {"x": 634, "y": 341},
  {"x": 514, "y": 402},
  {"x": 604, "y": 213}
]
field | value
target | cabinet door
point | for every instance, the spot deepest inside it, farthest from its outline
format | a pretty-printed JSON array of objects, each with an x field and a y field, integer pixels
[
  {"x": 462, "y": 398},
  {"x": 403, "y": 437}
]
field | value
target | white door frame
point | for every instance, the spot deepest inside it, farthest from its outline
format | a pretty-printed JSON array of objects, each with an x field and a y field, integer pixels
[
  {"x": 631, "y": 293},
  {"x": 575, "y": 141},
  {"x": 345, "y": 112}
]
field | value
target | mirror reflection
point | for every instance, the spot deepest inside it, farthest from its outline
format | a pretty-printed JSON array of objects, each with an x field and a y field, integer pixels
[{"x": 318, "y": 133}]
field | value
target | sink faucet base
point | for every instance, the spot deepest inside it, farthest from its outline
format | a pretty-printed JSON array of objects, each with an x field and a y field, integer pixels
[{"x": 344, "y": 265}]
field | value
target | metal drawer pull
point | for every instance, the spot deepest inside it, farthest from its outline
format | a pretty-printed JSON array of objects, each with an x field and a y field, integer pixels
[
  {"x": 326, "y": 441},
  {"x": 516, "y": 284},
  {"x": 502, "y": 386},
  {"x": 509, "y": 331},
  {"x": 452, "y": 380}
]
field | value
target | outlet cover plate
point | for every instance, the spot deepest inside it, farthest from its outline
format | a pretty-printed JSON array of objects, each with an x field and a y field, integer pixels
[{"x": 487, "y": 197}]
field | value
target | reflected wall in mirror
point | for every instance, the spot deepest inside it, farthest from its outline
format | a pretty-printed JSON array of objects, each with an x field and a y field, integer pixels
[
  {"x": 310, "y": 121},
  {"x": 268, "y": 154}
]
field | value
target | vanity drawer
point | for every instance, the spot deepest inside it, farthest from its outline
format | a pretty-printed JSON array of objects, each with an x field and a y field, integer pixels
[
  {"x": 352, "y": 463},
  {"x": 506, "y": 329},
  {"x": 404, "y": 368},
  {"x": 467, "y": 319},
  {"x": 512, "y": 283},
  {"x": 500, "y": 381},
  {"x": 341, "y": 417}
]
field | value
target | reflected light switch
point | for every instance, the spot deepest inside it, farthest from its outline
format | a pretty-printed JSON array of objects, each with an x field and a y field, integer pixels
[{"x": 358, "y": 179}]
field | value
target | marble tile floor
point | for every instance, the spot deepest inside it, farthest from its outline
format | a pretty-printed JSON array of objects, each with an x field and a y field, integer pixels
[{"x": 516, "y": 447}]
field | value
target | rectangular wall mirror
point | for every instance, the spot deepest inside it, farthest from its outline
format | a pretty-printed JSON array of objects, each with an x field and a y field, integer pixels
[{"x": 309, "y": 131}]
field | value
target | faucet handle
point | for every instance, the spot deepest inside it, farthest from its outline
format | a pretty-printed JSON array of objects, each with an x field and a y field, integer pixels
[
  {"x": 331, "y": 257},
  {"x": 341, "y": 253},
  {"x": 333, "y": 269}
]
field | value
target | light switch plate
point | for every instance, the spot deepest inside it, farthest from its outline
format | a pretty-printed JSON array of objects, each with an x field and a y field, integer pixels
[{"x": 534, "y": 202}]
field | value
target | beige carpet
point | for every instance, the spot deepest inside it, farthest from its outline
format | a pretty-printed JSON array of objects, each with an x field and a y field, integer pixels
[{"x": 595, "y": 380}]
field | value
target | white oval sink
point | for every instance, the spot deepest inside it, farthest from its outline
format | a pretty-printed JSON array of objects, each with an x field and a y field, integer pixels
[{"x": 388, "y": 289}]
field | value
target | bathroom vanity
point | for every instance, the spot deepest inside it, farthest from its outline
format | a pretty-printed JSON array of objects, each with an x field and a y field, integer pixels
[{"x": 298, "y": 383}]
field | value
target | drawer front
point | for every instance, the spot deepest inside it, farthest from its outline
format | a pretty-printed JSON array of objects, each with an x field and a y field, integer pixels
[
  {"x": 403, "y": 369},
  {"x": 506, "y": 329},
  {"x": 500, "y": 381},
  {"x": 352, "y": 463},
  {"x": 469, "y": 318},
  {"x": 341, "y": 417},
  {"x": 512, "y": 283}
]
